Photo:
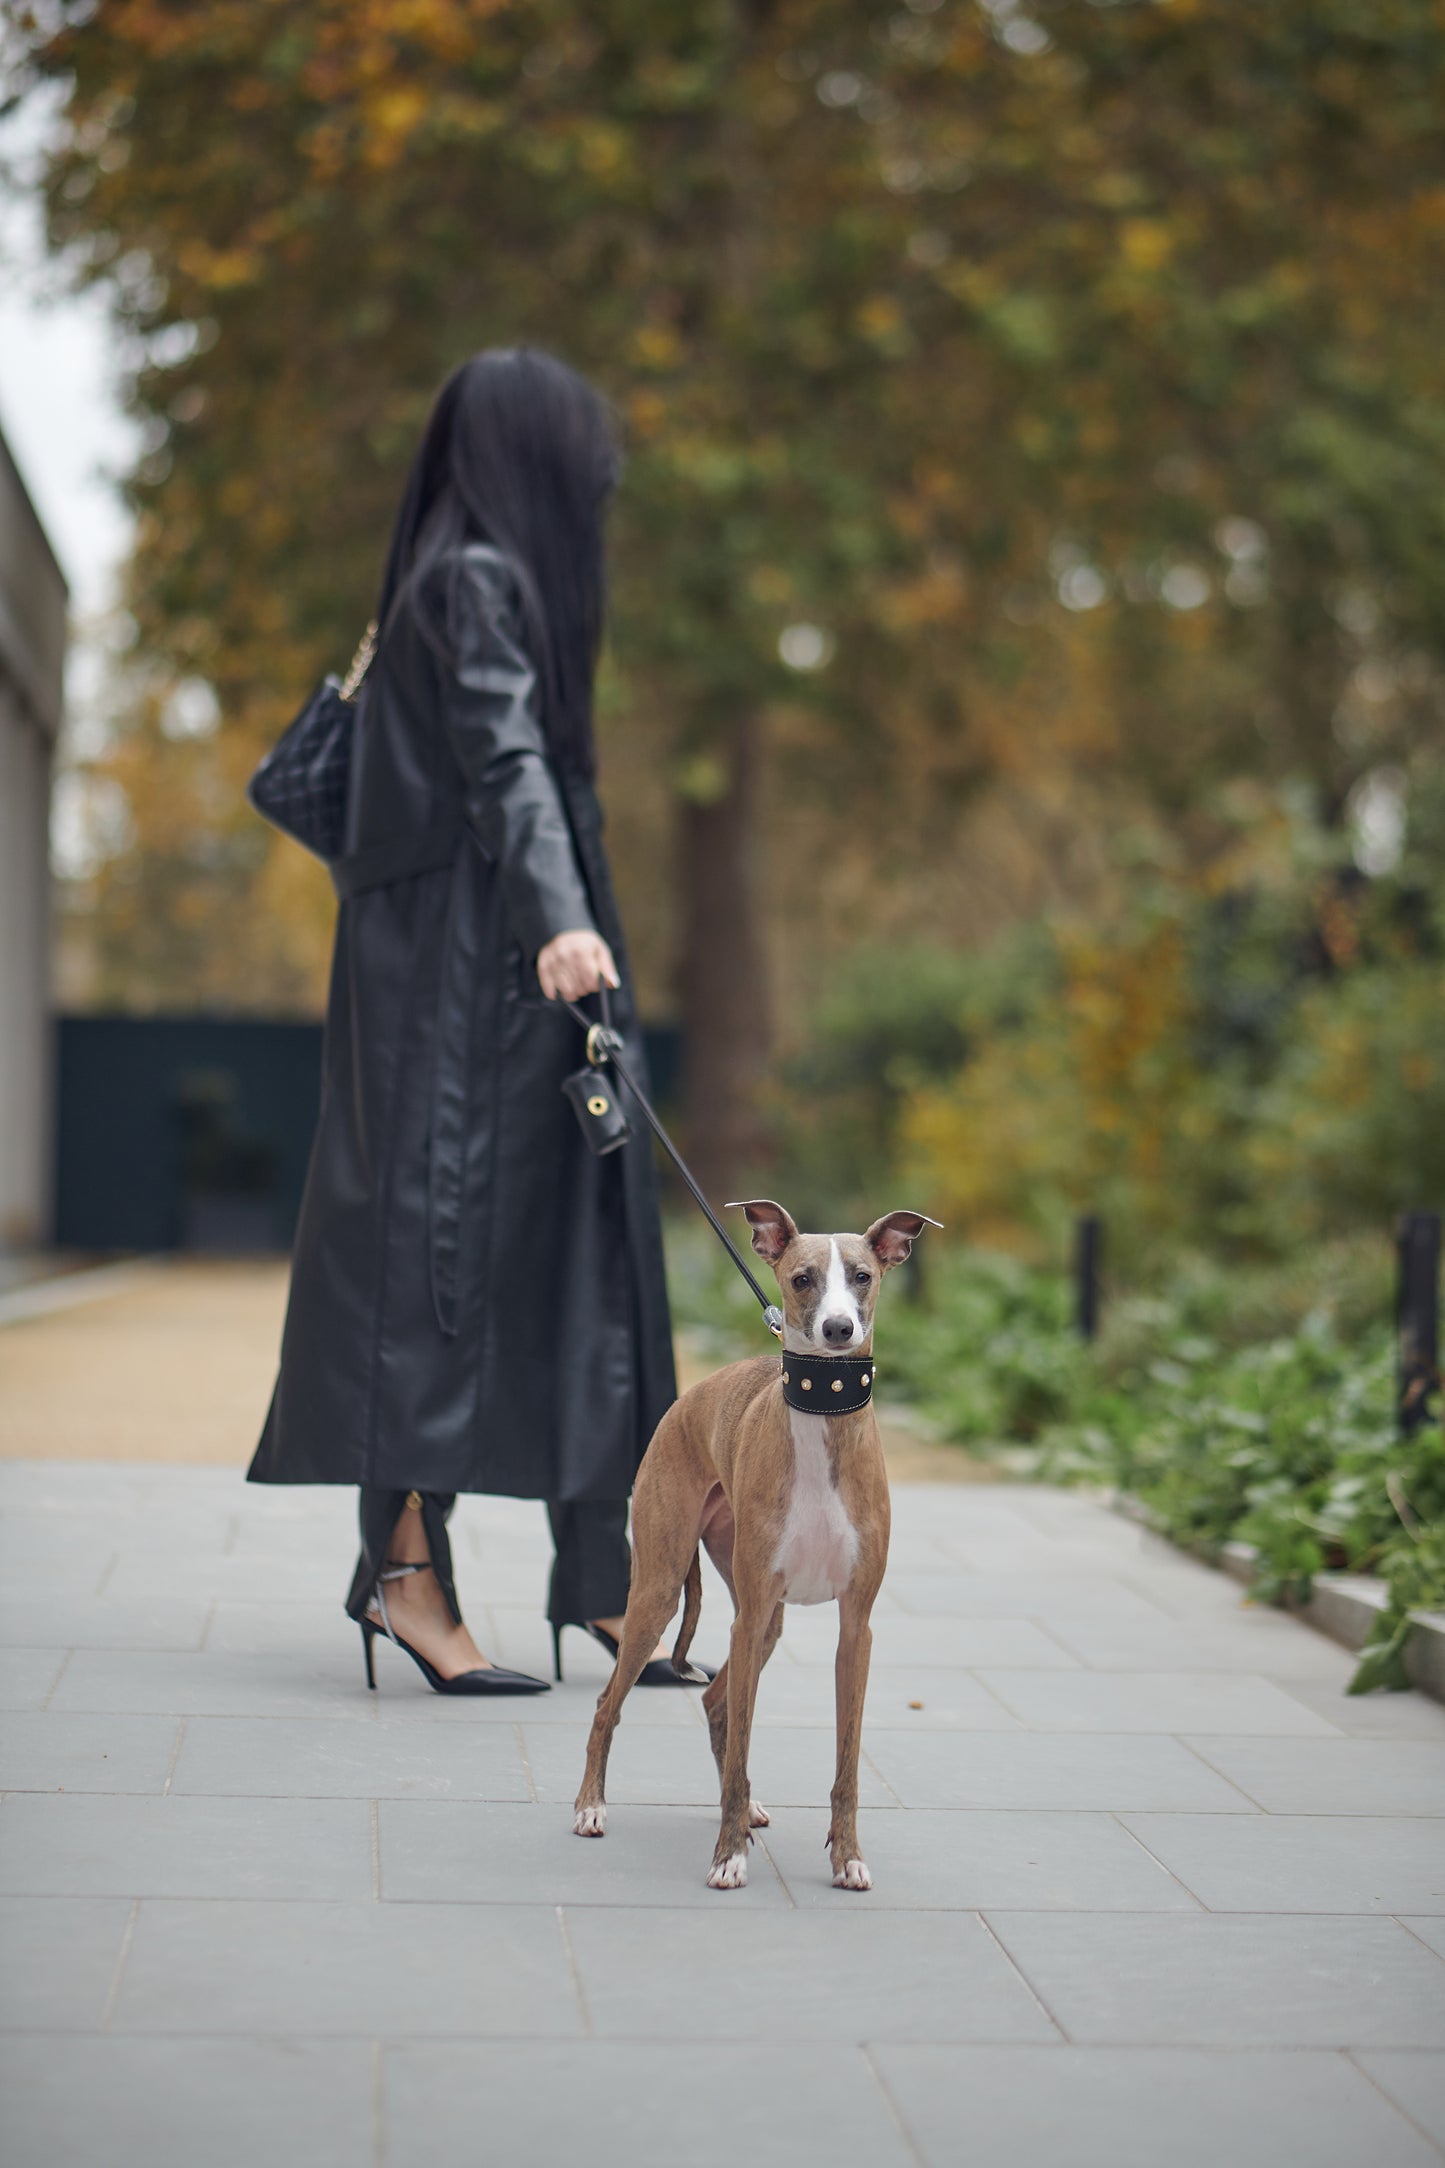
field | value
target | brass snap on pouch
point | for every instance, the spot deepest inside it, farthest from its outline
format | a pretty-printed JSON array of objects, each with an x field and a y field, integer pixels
[{"x": 602, "y": 1120}]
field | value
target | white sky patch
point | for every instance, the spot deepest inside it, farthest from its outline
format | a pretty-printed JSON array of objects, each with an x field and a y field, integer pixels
[{"x": 60, "y": 405}]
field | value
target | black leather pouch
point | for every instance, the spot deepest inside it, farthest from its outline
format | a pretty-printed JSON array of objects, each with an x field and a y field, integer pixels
[{"x": 595, "y": 1104}]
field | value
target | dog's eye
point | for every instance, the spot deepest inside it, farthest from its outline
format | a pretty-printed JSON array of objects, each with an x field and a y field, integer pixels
[
  {"x": 802, "y": 1280},
  {"x": 863, "y": 1278}
]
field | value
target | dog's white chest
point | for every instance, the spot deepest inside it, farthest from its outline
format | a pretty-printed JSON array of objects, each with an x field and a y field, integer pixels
[{"x": 818, "y": 1547}]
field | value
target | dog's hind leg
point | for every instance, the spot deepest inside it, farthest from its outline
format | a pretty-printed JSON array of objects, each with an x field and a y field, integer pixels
[
  {"x": 691, "y": 1612},
  {"x": 664, "y": 1550},
  {"x": 648, "y": 1611}
]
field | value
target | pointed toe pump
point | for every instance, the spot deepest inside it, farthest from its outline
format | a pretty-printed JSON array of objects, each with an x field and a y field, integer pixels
[
  {"x": 487, "y": 1679},
  {"x": 657, "y": 1672}
]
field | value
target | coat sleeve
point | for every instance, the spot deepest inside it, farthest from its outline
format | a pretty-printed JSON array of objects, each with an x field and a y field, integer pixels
[{"x": 491, "y": 713}]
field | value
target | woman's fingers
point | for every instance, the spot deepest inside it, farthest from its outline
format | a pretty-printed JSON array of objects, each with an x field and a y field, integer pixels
[{"x": 574, "y": 964}]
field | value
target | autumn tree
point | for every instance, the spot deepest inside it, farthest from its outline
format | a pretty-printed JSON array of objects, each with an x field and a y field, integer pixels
[{"x": 1032, "y": 419}]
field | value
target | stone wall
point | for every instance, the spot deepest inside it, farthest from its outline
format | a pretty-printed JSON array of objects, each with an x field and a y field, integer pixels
[{"x": 32, "y": 658}]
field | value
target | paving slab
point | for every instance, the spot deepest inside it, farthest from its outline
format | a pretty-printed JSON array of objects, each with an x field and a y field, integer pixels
[
  {"x": 1430, "y": 1931},
  {"x": 326, "y": 1682},
  {"x": 46, "y": 1620},
  {"x": 1202, "y": 1980},
  {"x": 28, "y": 1676},
  {"x": 651, "y": 1856},
  {"x": 70, "y": 2103},
  {"x": 1090, "y": 1598},
  {"x": 1138, "y": 2107},
  {"x": 1033, "y": 1770},
  {"x": 900, "y": 1698},
  {"x": 1415, "y": 2081},
  {"x": 850, "y": 1974},
  {"x": 928, "y": 1644},
  {"x": 47, "y": 1750},
  {"x": 617, "y": 2104},
  {"x": 422, "y": 1972},
  {"x": 62, "y": 1957},
  {"x": 104, "y": 1845},
  {"x": 1334, "y": 1776},
  {"x": 1301, "y": 1862},
  {"x": 287, "y": 1758},
  {"x": 982, "y": 1861},
  {"x": 1265, "y": 1643},
  {"x": 1154, "y": 1701},
  {"x": 1373, "y": 1716}
]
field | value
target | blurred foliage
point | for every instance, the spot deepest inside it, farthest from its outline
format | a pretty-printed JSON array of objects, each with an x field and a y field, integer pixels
[
  {"x": 1254, "y": 1067},
  {"x": 1072, "y": 370}
]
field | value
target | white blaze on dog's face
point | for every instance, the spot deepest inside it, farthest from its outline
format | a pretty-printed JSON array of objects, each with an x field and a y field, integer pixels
[{"x": 830, "y": 1282}]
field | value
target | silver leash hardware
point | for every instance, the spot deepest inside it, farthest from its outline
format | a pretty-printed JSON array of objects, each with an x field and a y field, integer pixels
[{"x": 602, "y": 1042}]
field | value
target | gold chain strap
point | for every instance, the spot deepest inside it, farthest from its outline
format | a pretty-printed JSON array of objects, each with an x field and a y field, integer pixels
[{"x": 360, "y": 663}]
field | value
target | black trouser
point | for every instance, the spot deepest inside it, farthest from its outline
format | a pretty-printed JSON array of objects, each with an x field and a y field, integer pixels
[{"x": 590, "y": 1573}]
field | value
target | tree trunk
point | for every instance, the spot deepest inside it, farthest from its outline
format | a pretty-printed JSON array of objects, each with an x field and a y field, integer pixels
[{"x": 723, "y": 968}]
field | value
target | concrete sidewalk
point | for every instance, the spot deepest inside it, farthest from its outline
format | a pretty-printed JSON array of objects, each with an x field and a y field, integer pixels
[{"x": 1148, "y": 1888}]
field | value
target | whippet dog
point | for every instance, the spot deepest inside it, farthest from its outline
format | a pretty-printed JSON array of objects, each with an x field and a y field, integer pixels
[{"x": 774, "y": 1464}]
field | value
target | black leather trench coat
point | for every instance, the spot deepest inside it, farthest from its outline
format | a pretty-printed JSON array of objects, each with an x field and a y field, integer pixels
[{"x": 477, "y": 1302}]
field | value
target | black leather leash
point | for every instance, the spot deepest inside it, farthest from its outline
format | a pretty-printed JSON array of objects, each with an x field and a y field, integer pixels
[{"x": 603, "y": 1045}]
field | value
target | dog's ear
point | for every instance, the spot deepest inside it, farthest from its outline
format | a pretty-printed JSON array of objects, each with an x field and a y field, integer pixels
[
  {"x": 891, "y": 1238},
  {"x": 772, "y": 1228}
]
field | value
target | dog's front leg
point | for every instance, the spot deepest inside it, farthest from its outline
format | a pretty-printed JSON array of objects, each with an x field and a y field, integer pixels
[
  {"x": 715, "y": 1705},
  {"x": 756, "y": 1610},
  {"x": 855, "y": 1642}
]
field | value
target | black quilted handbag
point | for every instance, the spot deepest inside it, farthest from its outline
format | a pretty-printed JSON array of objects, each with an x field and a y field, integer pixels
[{"x": 301, "y": 785}]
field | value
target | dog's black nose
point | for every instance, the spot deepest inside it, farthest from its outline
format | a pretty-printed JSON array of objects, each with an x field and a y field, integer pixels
[{"x": 837, "y": 1331}]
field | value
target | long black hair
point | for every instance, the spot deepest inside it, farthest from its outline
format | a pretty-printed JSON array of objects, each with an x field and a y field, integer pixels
[{"x": 521, "y": 452}]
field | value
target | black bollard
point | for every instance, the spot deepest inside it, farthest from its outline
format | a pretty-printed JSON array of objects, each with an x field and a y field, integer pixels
[
  {"x": 1088, "y": 1252},
  {"x": 1417, "y": 1317}
]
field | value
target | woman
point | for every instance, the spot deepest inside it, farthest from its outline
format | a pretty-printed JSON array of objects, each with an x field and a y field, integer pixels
[{"x": 477, "y": 1302}]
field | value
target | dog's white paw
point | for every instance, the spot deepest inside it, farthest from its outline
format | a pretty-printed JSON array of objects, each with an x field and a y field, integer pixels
[
  {"x": 590, "y": 1822},
  {"x": 758, "y": 1815},
  {"x": 729, "y": 1873},
  {"x": 853, "y": 1875}
]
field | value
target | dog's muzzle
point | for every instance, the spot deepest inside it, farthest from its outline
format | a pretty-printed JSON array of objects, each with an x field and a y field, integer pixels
[{"x": 828, "y": 1384}]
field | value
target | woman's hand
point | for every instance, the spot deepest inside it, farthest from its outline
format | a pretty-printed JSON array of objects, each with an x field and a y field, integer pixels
[{"x": 574, "y": 964}]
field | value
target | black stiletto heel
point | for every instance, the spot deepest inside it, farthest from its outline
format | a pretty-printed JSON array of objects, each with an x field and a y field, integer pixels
[
  {"x": 488, "y": 1680},
  {"x": 557, "y": 1654},
  {"x": 657, "y": 1672}
]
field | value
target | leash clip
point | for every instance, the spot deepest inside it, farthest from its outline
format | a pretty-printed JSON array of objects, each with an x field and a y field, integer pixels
[
  {"x": 773, "y": 1319},
  {"x": 602, "y": 1041}
]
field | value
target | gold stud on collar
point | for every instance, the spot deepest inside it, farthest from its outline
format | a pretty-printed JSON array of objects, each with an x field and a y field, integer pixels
[
  {"x": 866, "y": 1379},
  {"x": 837, "y": 1385},
  {"x": 807, "y": 1385}
]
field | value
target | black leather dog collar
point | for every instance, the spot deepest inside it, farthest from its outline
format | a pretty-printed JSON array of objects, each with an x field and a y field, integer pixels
[{"x": 828, "y": 1384}]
